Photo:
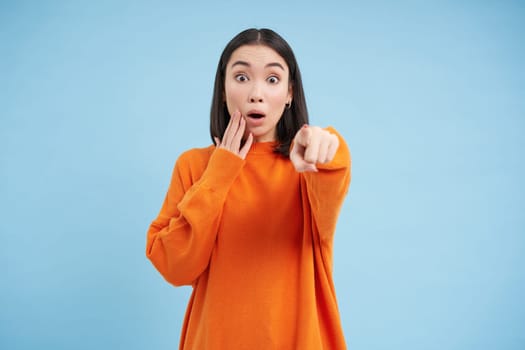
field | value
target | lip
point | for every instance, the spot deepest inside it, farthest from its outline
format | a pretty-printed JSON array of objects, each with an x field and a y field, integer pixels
[
  {"x": 255, "y": 111},
  {"x": 255, "y": 122}
]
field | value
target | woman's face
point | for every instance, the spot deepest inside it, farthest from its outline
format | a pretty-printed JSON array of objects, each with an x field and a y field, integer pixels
[{"x": 257, "y": 84}]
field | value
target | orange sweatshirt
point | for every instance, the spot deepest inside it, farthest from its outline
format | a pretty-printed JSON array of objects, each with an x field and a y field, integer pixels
[{"x": 254, "y": 239}]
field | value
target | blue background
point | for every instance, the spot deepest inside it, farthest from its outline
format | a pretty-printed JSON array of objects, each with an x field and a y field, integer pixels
[{"x": 98, "y": 99}]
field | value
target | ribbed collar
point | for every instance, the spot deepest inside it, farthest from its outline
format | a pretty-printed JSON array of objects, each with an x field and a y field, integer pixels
[{"x": 263, "y": 147}]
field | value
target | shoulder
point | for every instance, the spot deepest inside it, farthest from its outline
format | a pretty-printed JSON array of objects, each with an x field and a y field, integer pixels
[
  {"x": 193, "y": 161},
  {"x": 196, "y": 155}
]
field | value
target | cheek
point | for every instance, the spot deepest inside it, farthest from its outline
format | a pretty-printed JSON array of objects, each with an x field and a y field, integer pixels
[
  {"x": 233, "y": 95},
  {"x": 279, "y": 96}
]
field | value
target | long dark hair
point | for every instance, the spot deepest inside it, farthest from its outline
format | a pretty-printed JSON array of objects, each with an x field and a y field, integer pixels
[{"x": 293, "y": 118}]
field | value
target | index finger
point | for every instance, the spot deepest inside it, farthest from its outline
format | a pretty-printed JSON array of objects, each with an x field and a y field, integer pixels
[{"x": 231, "y": 128}]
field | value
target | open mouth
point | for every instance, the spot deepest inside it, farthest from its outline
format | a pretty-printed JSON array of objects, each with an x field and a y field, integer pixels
[{"x": 256, "y": 115}]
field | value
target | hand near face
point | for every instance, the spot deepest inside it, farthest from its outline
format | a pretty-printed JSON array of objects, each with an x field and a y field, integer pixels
[
  {"x": 313, "y": 145},
  {"x": 231, "y": 140}
]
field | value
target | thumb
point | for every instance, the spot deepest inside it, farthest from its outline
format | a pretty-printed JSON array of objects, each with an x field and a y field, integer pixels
[
  {"x": 297, "y": 159},
  {"x": 303, "y": 136}
]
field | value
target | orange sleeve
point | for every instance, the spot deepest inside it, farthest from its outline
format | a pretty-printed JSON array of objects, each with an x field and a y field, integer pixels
[
  {"x": 327, "y": 188},
  {"x": 181, "y": 239}
]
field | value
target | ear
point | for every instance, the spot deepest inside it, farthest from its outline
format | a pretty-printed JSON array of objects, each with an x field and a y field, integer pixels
[{"x": 289, "y": 97}]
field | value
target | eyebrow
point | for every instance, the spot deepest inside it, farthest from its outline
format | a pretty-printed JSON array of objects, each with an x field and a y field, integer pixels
[{"x": 244, "y": 63}]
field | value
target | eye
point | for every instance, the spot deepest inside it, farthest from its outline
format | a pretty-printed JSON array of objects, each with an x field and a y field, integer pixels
[
  {"x": 273, "y": 79},
  {"x": 241, "y": 77}
]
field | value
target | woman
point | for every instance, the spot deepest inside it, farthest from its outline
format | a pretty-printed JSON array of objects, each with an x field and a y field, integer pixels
[{"x": 249, "y": 222}]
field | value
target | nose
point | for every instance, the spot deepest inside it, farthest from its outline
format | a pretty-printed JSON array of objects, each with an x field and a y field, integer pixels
[{"x": 255, "y": 94}]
